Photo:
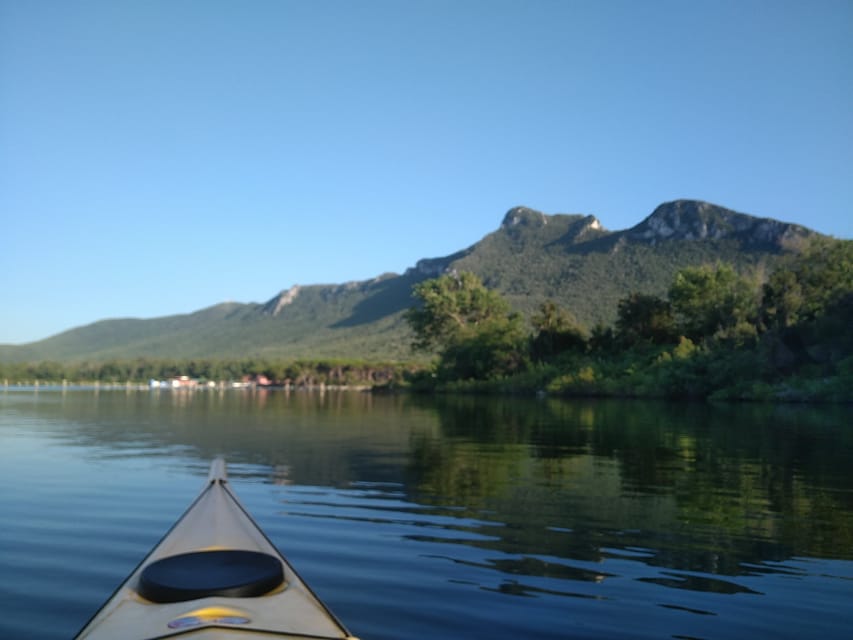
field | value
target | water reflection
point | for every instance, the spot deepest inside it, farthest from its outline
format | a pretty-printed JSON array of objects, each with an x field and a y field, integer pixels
[
  {"x": 522, "y": 498},
  {"x": 710, "y": 488},
  {"x": 698, "y": 583}
]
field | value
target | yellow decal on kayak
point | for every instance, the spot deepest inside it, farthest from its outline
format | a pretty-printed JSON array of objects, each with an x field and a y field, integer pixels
[{"x": 210, "y": 615}]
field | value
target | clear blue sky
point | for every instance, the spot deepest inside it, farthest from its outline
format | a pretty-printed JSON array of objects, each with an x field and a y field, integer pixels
[{"x": 158, "y": 157}]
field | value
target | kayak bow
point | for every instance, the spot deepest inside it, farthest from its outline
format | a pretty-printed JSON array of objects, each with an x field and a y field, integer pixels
[{"x": 214, "y": 575}]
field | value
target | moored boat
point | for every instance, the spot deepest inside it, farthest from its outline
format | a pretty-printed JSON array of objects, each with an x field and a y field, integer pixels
[{"x": 215, "y": 574}]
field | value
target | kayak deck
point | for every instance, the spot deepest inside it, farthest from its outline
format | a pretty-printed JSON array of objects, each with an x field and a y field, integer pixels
[{"x": 214, "y": 575}]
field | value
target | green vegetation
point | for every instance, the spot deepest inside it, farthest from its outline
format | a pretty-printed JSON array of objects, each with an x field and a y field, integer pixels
[
  {"x": 472, "y": 326},
  {"x": 530, "y": 259},
  {"x": 359, "y": 321},
  {"x": 298, "y": 372},
  {"x": 718, "y": 333}
]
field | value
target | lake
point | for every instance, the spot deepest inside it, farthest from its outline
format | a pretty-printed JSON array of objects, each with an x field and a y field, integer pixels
[{"x": 449, "y": 517}]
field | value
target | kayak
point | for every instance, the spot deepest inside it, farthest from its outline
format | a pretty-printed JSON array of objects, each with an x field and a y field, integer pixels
[{"x": 214, "y": 575}]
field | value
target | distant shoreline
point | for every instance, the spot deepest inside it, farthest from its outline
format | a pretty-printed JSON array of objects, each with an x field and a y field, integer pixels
[{"x": 138, "y": 386}]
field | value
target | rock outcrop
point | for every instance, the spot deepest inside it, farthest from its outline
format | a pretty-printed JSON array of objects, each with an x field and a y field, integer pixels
[
  {"x": 696, "y": 220},
  {"x": 286, "y": 297}
]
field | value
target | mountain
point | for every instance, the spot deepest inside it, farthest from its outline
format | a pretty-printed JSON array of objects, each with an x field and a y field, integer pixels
[
  {"x": 574, "y": 260},
  {"x": 531, "y": 257}
]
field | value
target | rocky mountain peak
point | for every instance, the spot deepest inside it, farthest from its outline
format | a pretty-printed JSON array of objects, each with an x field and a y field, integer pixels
[
  {"x": 523, "y": 217},
  {"x": 589, "y": 223},
  {"x": 697, "y": 220},
  {"x": 593, "y": 223}
]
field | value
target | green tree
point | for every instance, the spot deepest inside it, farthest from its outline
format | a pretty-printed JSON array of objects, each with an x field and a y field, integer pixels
[
  {"x": 491, "y": 350},
  {"x": 714, "y": 302},
  {"x": 645, "y": 318},
  {"x": 450, "y": 305},
  {"x": 807, "y": 309},
  {"x": 808, "y": 284},
  {"x": 556, "y": 331},
  {"x": 471, "y": 327},
  {"x": 602, "y": 339}
]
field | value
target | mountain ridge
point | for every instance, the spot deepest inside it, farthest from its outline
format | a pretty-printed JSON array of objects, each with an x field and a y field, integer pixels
[
  {"x": 532, "y": 256},
  {"x": 698, "y": 220}
]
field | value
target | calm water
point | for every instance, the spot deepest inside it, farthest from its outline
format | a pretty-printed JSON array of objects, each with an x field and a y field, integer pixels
[{"x": 448, "y": 518}]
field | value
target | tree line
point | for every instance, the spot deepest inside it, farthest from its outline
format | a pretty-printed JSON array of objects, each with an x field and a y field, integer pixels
[
  {"x": 141, "y": 370},
  {"x": 716, "y": 333}
]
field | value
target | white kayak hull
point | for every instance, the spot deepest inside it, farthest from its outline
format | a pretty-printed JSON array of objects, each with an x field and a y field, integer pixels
[{"x": 216, "y": 523}]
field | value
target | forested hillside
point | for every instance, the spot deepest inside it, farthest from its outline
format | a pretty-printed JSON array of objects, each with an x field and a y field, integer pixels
[
  {"x": 532, "y": 257},
  {"x": 715, "y": 333}
]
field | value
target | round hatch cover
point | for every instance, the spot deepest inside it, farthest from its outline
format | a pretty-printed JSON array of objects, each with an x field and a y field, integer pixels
[{"x": 188, "y": 576}]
